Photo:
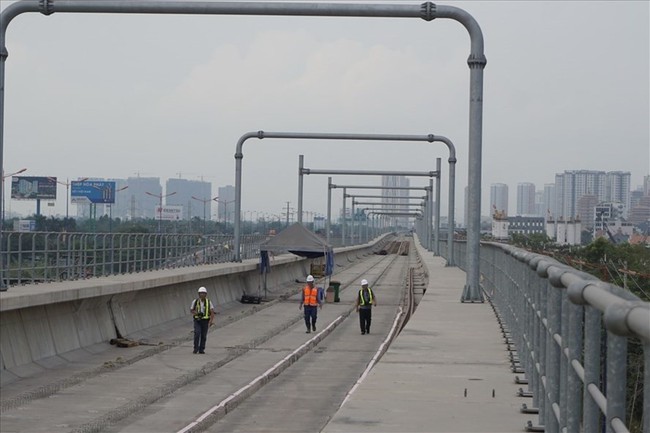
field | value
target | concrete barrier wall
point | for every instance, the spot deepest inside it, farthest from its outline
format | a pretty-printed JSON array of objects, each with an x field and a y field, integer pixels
[{"x": 47, "y": 320}]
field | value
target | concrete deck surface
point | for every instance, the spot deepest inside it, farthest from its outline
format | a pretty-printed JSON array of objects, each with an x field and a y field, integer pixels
[{"x": 448, "y": 371}]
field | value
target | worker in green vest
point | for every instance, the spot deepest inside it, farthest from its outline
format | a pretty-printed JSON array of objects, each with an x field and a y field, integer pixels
[{"x": 366, "y": 299}]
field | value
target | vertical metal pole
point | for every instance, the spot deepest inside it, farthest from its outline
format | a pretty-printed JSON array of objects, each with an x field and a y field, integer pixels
[
  {"x": 329, "y": 209},
  {"x": 476, "y": 62},
  {"x": 564, "y": 305},
  {"x": 239, "y": 155},
  {"x": 592, "y": 329},
  {"x": 646, "y": 388},
  {"x": 365, "y": 229},
  {"x": 344, "y": 218},
  {"x": 431, "y": 221},
  {"x": 4, "y": 283},
  {"x": 553, "y": 311},
  {"x": 352, "y": 224},
  {"x": 422, "y": 226},
  {"x": 451, "y": 212},
  {"x": 437, "y": 208},
  {"x": 616, "y": 378},
  {"x": 67, "y": 197},
  {"x": 301, "y": 159},
  {"x": 574, "y": 385}
]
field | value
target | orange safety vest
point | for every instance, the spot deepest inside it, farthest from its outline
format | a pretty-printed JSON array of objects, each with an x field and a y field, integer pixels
[{"x": 310, "y": 296}]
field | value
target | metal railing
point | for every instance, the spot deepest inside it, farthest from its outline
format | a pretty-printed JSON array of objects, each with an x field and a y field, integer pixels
[
  {"x": 40, "y": 257},
  {"x": 36, "y": 257},
  {"x": 572, "y": 334}
]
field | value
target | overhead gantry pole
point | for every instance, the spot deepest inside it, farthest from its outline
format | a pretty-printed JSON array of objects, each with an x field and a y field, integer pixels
[
  {"x": 427, "y": 11},
  {"x": 364, "y": 173},
  {"x": 428, "y": 189},
  {"x": 239, "y": 155}
]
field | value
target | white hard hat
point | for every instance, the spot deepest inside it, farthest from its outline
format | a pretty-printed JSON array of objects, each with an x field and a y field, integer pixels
[
  {"x": 310, "y": 279},
  {"x": 203, "y": 290},
  {"x": 364, "y": 282}
]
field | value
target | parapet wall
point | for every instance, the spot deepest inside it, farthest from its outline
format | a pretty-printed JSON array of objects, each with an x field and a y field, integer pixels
[{"x": 44, "y": 320}]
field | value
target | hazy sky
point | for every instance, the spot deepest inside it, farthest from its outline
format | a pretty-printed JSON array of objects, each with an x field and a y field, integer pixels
[{"x": 95, "y": 95}]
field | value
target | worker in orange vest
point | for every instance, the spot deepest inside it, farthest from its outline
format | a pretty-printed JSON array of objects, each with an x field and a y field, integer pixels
[{"x": 311, "y": 302}]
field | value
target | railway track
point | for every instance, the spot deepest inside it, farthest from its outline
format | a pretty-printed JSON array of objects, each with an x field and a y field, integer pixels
[{"x": 173, "y": 390}]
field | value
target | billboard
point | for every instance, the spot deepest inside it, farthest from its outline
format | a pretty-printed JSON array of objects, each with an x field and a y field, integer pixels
[
  {"x": 92, "y": 191},
  {"x": 24, "y": 225},
  {"x": 33, "y": 188},
  {"x": 169, "y": 213}
]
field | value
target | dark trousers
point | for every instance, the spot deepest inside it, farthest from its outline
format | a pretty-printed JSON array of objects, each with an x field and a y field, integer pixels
[
  {"x": 311, "y": 314},
  {"x": 200, "y": 334},
  {"x": 365, "y": 314}
]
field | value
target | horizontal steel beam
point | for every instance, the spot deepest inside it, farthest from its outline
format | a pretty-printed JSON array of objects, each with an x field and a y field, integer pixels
[
  {"x": 425, "y": 188},
  {"x": 432, "y": 173}
]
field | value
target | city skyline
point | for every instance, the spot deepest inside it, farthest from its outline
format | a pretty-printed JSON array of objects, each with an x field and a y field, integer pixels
[
  {"x": 143, "y": 207},
  {"x": 546, "y": 109}
]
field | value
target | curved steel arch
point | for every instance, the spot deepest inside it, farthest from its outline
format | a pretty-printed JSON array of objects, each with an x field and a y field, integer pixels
[{"x": 427, "y": 11}]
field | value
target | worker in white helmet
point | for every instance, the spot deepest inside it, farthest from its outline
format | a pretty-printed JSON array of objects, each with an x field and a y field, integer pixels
[
  {"x": 203, "y": 313},
  {"x": 366, "y": 299},
  {"x": 311, "y": 302}
]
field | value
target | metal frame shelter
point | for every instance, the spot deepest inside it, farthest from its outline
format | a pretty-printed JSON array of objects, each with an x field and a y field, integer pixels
[{"x": 426, "y": 11}]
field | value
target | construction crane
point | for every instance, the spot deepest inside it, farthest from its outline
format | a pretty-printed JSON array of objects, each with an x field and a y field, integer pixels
[{"x": 606, "y": 227}]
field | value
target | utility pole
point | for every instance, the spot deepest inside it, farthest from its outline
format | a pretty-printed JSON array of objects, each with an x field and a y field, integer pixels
[{"x": 289, "y": 209}]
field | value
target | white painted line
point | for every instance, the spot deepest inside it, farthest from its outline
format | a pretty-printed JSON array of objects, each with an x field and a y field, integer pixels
[
  {"x": 375, "y": 358},
  {"x": 258, "y": 379}
]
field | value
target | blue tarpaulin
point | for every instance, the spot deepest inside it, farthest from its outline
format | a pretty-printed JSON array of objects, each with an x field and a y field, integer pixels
[
  {"x": 329, "y": 262},
  {"x": 265, "y": 265}
]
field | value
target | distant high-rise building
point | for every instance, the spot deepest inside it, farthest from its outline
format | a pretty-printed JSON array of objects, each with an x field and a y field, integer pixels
[
  {"x": 646, "y": 185},
  {"x": 120, "y": 209},
  {"x": 570, "y": 186},
  {"x": 585, "y": 210},
  {"x": 141, "y": 204},
  {"x": 549, "y": 207},
  {"x": 640, "y": 212},
  {"x": 184, "y": 191},
  {"x": 395, "y": 196},
  {"x": 226, "y": 203},
  {"x": 540, "y": 211},
  {"x": 526, "y": 199},
  {"x": 499, "y": 198},
  {"x": 617, "y": 184}
]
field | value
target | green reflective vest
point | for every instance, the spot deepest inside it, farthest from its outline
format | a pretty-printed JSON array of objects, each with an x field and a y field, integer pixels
[
  {"x": 362, "y": 300},
  {"x": 206, "y": 313}
]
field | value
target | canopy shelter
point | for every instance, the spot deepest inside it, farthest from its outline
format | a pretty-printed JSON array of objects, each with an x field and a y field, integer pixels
[{"x": 298, "y": 240}]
